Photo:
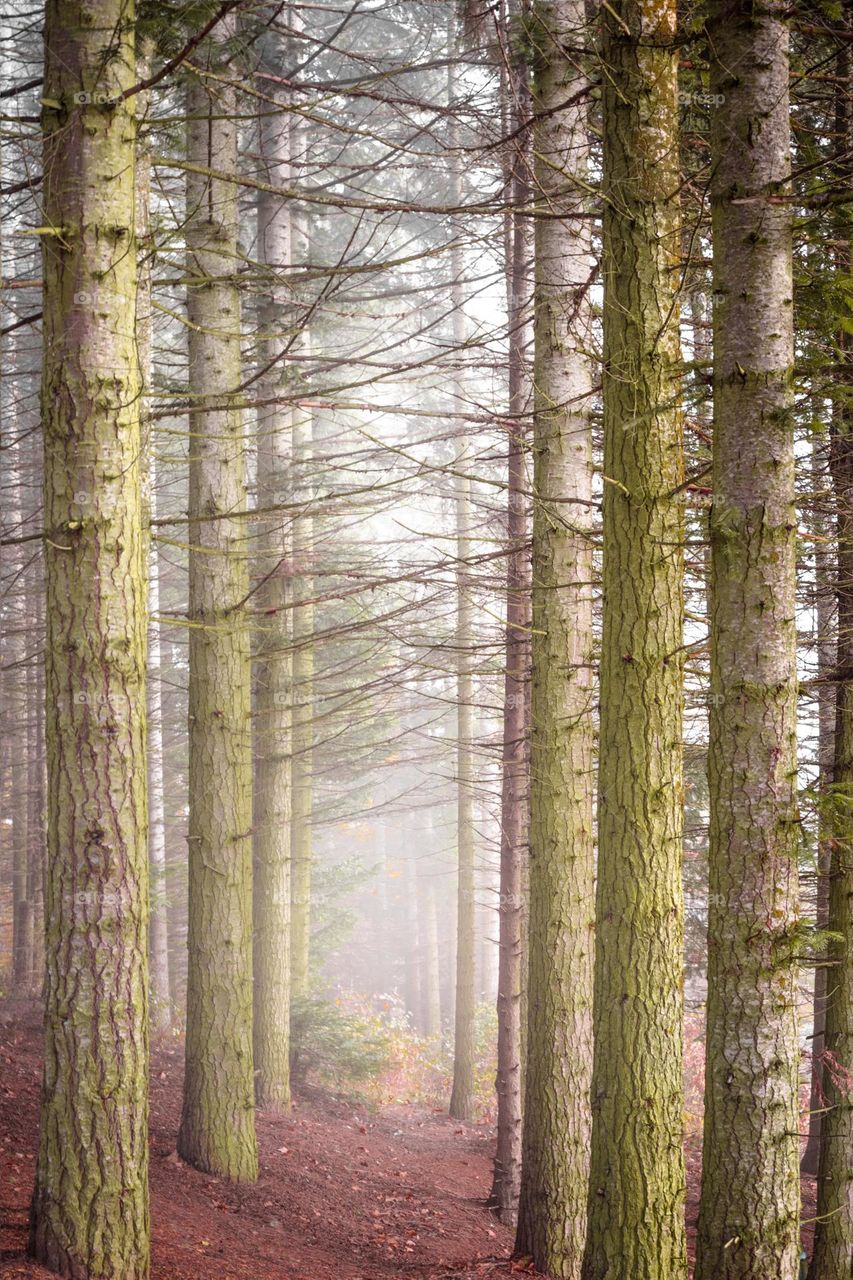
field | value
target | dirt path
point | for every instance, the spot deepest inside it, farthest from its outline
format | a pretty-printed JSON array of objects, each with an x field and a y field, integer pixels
[{"x": 342, "y": 1195}]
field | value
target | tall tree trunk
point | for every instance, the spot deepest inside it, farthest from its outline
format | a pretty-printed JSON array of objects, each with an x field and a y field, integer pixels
[
  {"x": 158, "y": 942},
  {"x": 89, "y": 1216},
  {"x": 158, "y": 936},
  {"x": 462, "y": 1093},
  {"x": 303, "y": 703},
  {"x": 749, "y": 1212},
  {"x": 833, "y": 1243},
  {"x": 273, "y": 658},
  {"x": 217, "y": 1131},
  {"x": 636, "y": 1194},
  {"x": 515, "y": 777},
  {"x": 552, "y": 1212}
]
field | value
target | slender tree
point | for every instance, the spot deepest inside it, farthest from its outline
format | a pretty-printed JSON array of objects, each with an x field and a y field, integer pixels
[
  {"x": 552, "y": 1217},
  {"x": 273, "y": 657},
  {"x": 636, "y": 1191},
  {"x": 303, "y": 702},
  {"x": 515, "y": 780},
  {"x": 462, "y": 1093},
  {"x": 833, "y": 1244},
  {"x": 158, "y": 940},
  {"x": 748, "y": 1221},
  {"x": 89, "y": 1218},
  {"x": 217, "y": 1132}
]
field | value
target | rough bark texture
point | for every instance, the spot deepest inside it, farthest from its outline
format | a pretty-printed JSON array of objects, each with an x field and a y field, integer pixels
[
  {"x": 273, "y": 656},
  {"x": 89, "y": 1218},
  {"x": 552, "y": 1214},
  {"x": 636, "y": 1195},
  {"x": 217, "y": 1132},
  {"x": 833, "y": 1243},
  {"x": 748, "y": 1222}
]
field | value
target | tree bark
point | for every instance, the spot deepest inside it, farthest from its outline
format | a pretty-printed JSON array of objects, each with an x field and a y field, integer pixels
[
  {"x": 552, "y": 1212},
  {"x": 749, "y": 1211},
  {"x": 217, "y": 1132},
  {"x": 636, "y": 1195},
  {"x": 89, "y": 1215}
]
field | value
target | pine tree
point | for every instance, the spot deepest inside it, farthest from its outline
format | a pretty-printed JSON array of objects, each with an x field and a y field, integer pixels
[
  {"x": 552, "y": 1216},
  {"x": 217, "y": 1132},
  {"x": 636, "y": 1194},
  {"x": 833, "y": 1241},
  {"x": 748, "y": 1222},
  {"x": 273, "y": 658},
  {"x": 89, "y": 1217}
]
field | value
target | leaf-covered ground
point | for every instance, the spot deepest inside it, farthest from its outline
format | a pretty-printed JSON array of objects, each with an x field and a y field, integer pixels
[{"x": 343, "y": 1194}]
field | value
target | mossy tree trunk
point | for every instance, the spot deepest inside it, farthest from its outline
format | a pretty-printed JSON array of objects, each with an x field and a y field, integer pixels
[
  {"x": 273, "y": 656},
  {"x": 89, "y": 1217},
  {"x": 749, "y": 1211},
  {"x": 217, "y": 1131},
  {"x": 636, "y": 1193},
  {"x": 555, "y": 1162}
]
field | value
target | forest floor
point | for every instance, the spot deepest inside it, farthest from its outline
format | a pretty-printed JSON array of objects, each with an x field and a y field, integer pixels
[{"x": 343, "y": 1194}]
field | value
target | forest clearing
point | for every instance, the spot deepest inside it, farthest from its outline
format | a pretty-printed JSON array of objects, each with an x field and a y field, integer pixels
[{"x": 426, "y": 639}]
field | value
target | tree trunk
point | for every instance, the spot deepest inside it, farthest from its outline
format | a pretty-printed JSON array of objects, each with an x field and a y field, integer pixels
[
  {"x": 303, "y": 704},
  {"x": 749, "y": 1211},
  {"x": 89, "y": 1216},
  {"x": 217, "y": 1132},
  {"x": 636, "y": 1195},
  {"x": 161, "y": 1004},
  {"x": 158, "y": 936},
  {"x": 552, "y": 1212},
  {"x": 515, "y": 775},
  {"x": 833, "y": 1242},
  {"x": 462, "y": 1093},
  {"x": 273, "y": 658}
]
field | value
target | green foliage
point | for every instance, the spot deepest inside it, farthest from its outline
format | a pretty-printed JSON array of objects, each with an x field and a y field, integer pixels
[
  {"x": 339, "y": 1044},
  {"x": 351, "y": 1043}
]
